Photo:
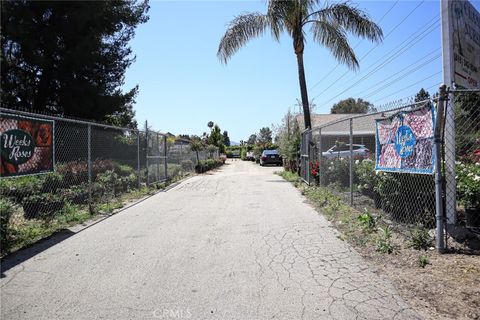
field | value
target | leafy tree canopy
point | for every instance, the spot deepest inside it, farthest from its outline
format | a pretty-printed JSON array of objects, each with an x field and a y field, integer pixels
[
  {"x": 422, "y": 95},
  {"x": 264, "y": 136},
  {"x": 351, "y": 105},
  {"x": 226, "y": 139},
  {"x": 69, "y": 57}
]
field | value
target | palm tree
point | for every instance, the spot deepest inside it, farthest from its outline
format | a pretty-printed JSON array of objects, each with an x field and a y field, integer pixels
[{"x": 329, "y": 25}]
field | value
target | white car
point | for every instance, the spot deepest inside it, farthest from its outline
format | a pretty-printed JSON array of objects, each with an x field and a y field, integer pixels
[{"x": 343, "y": 151}]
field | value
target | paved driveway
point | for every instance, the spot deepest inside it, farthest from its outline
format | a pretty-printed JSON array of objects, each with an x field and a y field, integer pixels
[{"x": 239, "y": 243}]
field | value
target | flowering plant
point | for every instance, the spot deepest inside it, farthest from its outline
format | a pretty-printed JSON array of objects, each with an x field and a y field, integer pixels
[
  {"x": 314, "y": 168},
  {"x": 468, "y": 184}
]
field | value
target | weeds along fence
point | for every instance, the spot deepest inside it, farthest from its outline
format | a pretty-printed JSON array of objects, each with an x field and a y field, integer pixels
[
  {"x": 335, "y": 152},
  {"x": 86, "y": 166}
]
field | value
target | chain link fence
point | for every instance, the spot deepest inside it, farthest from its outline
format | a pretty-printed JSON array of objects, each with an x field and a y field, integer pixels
[
  {"x": 462, "y": 158},
  {"x": 87, "y": 168},
  {"x": 342, "y": 154}
]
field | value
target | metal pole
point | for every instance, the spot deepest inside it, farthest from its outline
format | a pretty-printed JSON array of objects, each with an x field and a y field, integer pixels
[
  {"x": 89, "y": 161},
  {"x": 320, "y": 160},
  {"x": 351, "y": 161},
  {"x": 439, "y": 241},
  {"x": 158, "y": 159},
  {"x": 138, "y": 161},
  {"x": 146, "y": 152},
  {"x": 165, "y": 152}
]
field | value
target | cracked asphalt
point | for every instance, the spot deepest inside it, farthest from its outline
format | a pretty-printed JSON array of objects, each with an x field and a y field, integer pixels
[{"x": 239, "y": 243}]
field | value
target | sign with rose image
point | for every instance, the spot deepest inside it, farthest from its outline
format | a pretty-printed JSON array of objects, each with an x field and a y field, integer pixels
[
  {"x": 26, "y": 145},
  {"x": 405, "y": 142}
]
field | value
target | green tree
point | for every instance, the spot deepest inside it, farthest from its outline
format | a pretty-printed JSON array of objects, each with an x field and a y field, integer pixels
[
  {"x": 216, "y": 137},
  {"x": 226, "y": 139},
  {"x": 264, "y": 136},
  {"x": 69, "y": 57},
  {"x": 329, "y": 25},
  {"x": 422, "y": 95},
  {"x": 351, "y": 105},
  {"x": 197, "y": 145},
  {"x": 252, "y": 139}
]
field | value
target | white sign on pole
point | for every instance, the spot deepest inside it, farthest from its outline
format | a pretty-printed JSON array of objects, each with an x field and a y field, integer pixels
[
  {"x": 463, "y": 29},
  {"x": 461, "y": 69}
]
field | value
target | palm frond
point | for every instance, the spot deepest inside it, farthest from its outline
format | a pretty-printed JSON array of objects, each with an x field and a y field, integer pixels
[
  {"x": 351, "y": 18},
  {"x": 335, "y": 39},
  {"x": 240, "y": 30}
]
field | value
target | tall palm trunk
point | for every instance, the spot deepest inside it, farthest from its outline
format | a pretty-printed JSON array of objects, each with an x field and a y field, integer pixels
[{"x": 303, "y": 90}]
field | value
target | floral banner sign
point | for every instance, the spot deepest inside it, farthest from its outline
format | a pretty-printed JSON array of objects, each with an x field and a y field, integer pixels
[
  {"x": 405, "y": 142},
  {"x": 26, "y": 145}
]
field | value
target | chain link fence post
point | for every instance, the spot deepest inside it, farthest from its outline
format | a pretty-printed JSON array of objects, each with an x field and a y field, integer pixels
[
  {"x": 351, "y": 162},
  {"x": 89, "y": 167},
  {"x": 138, "y": 161},
  {"x": 439, "y": 241},
  {"x": 158, "y": 159},
  {"x": 165, "y": 153},
  {"x": 146, "y": 154},
  {"x": 320, "y": 160}
]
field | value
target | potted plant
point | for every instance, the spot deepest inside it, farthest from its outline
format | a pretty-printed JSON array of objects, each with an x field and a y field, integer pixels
[{"x": 468, "y": 192}]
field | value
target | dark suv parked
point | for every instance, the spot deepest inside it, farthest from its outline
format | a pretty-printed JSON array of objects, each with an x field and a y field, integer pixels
[{"x": 271, "y": 157}]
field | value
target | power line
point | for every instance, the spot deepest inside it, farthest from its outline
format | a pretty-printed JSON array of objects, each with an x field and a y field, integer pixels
[
  {"x": 358, "y": 43},
  {"x": 424, "y": 57},
  {"x": 388, "y": 60},
  {"x": 414, "y": 84},
  {"x": 366, "y": 54},
  {"x": 406, "y": 74}
]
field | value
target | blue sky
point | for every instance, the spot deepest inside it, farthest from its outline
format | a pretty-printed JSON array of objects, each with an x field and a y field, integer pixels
[{"x": 183, "y": 85}]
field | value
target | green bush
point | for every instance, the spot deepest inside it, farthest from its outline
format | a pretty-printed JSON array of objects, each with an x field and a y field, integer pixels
[
  {"x": 187, "y": 165},
  {"x": 173, "y": 170},
  {"x": 336, "y": 171},
  {"x": 52, "y": 182},
  {"x": 6, "y": 211},
  {"x": 42, "y": 206},
  {"x": 420, "y": 238},
  {"x": 468, "y": 185},
  {"x": 76, "y": 194},
  {"x": 209, "y": 164},
  {"x": 124, "y": 170},
  {"x": 20, "y": 187}
]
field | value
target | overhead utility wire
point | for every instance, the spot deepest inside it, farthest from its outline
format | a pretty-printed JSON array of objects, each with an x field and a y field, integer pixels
[
  {"x": 422, "y": 58},
  {"x": 398, "y": 49},
  {"x": 402, "y": 76},
  {"x": 358, "y": 43},
  {"x": 387, "y": 61},
  {"x": 378, "y": 44},
  {"x": 408, "y": 87}
]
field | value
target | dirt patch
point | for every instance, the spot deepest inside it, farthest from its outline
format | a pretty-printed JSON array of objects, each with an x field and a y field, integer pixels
[{"x": 448, "y": 287}]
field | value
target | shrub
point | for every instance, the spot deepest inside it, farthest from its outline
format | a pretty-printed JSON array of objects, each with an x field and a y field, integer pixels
[
  {"x": 420, "y": 238},
  {"x": 6, "y": 211},
  {"x": 52, "y": 181},
  {"x": 173, "y": 170},
  {"x": 124, "y": 170},
  {"x": 187, "y": 165},
  {"x": 423, "y": 261},
  {"x": 366, "y": 220},
  {"x": 209, "y": 164},
  {"x": 336, "y": 171},
  {"x": 468, "y": 185},
  {"x": 76, "y": 194},
  {"x": 384, "y": 243},
  {"x": 20, "y": 187},
  {"x": 43, "y": 206}
]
